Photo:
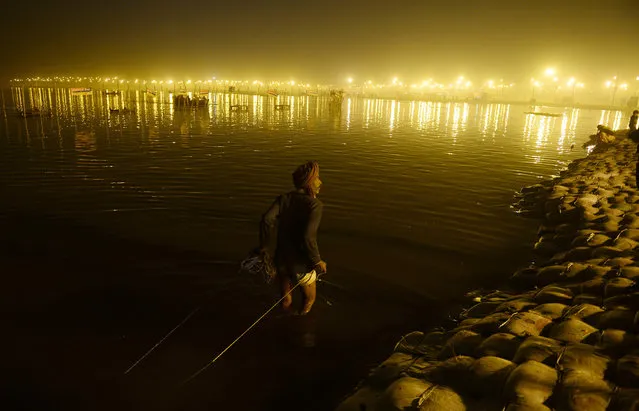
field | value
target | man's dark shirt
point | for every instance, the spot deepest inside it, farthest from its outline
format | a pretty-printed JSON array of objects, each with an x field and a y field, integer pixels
[
  {"x": 289, "y": 229},
  {"x": 632, "y": 125}
]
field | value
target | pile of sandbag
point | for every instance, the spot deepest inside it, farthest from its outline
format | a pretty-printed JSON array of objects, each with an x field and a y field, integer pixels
[{"x": 563, "y": 334}]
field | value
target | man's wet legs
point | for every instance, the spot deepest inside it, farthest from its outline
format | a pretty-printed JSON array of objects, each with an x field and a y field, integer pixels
[
  {"x": 285, "y": 290},
  {"x": 308, "y": 292}
]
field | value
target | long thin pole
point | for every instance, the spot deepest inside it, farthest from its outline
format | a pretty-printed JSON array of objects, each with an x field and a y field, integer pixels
[
  {"x": 201, "y": 370},
  {"x": 162, "y": 340}
]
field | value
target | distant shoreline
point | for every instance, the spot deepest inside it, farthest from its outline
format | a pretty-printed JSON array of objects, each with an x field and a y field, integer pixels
[{"x": 324, "y": 93}]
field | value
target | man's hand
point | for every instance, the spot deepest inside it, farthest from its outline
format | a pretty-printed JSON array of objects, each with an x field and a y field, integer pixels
[{"x": 320, "y": 267}]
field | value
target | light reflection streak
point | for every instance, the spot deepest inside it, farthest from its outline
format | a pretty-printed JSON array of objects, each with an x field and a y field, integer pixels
[
  {"x": 486, "y": 120},
  {"x": 455, "y": 126},
  {"x": 412, "y": 113},
  {"x": 562, "y": 135},
  {"x": 154, "y": 113},
  {"x": 506, "y": 117},
  {"x": 392, "y": 115},
  {"x": 617, "y": 122}
]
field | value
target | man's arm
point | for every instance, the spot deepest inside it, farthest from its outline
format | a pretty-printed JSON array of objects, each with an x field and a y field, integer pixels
[
  {"x": 310, "y": 235},
  {"x": 268, "y": 227}
]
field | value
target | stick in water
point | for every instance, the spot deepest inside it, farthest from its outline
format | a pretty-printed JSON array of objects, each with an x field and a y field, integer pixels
[
  {"x": 201, "y": 370},
  {"x": 160, "y": 342}
]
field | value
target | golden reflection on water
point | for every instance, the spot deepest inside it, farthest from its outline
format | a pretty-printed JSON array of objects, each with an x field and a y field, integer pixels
[
  {"x": 392, "y": 115},
  {"x": 608, "y": 116},
  {"x": 152, "y": 113}
]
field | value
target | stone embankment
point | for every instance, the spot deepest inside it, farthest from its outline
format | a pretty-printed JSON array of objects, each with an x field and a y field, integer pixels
[{"x": 562, "y": 334}]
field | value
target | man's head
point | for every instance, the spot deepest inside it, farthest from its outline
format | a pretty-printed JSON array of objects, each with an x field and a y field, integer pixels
[
  {"x": 306, "y": 177},
  {"x": 635, "y": 113}
]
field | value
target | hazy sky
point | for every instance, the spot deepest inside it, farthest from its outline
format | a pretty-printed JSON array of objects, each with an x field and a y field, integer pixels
[{"x": 325, "y": 41}]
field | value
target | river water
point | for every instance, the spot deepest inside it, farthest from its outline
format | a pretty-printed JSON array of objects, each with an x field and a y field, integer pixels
[{"x": 417, "y": 200}]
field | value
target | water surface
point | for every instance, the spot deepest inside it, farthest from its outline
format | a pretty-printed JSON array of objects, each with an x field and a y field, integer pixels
[
  {"x": 410, "y": 187},
  {"x": 122, "y": 223}
]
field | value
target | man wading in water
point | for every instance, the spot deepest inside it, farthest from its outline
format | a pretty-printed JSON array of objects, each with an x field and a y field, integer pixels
[
  {"x": 288, "y": 231},
  {"x": 633, "y": 134}
]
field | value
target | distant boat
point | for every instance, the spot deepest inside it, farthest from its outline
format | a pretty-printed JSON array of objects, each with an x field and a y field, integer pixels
[
  {"x": 81, "y": 91},
  {"x": 112, "y": 93},
  {"x": 182, "y": 100},
  {"x": 272, "y": 92},
  {"x": 33, "y": 112},
  {"x": 539, "y": 113},
  {"x": 123, "y": 111}
]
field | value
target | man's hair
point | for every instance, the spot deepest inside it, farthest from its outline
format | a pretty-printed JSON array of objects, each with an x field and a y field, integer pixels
[{"x": 304, "y": 174}]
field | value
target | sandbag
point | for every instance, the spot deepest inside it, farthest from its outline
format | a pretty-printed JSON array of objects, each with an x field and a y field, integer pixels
[
  {"x": 453, "y": 372},
  {"x": 468, "y": 323},
  {"x": 620, "y": 262},
  {"x": 512, "y": 306},
  {"x": 440, "y": 398},
  {"x": 618, "y": 286},
  {"x": 502, "y": 345},
  {"x": 389, "y": 370},
  {"x": 481, "y": 309},
  {"x": 588, "y": 313},
  {"x": 550, "y": 274},
  {"x": 581, "y": 272},
  {"x": 490, "y": 324},
  {"x": 551, "y": 311},
  {"x": 625, "y": 243},
  {"x": 631, "y": 233},
  {"x": 628, "y": 371},
  {"x": 616, "y": 341},
  {"x": 540, "y": 349},
  {"x": 619, "y": 319},
  {"x": 525, "y": 324},
  {"x": 591, "y": 240},
  {"x": 571, "y": 330},
  {"x": 402, "y": 394},
  {"x": 594, "y": 286},
  {"x": 630, "y": 272},
  {"x": 625, "y": 301},
  {"x": 464, "y": 342},
  {"x": 583, "y": 357},
  {"x": 489, "y": 375},
  {"x": 530, "y": 383},
  {"x": 582, "y": 391},
  {"x": 594, "y": 271},
  {"x": 576, "y": 254},
  {"x": 553, "y": 294},
  {"x": 588, "y": 299}
]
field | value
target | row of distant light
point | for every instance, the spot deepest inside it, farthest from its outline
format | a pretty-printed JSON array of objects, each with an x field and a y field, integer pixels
[
  {"x": 116, "y": 80},
  {"x": 550, "y": 73},
  {"x": 460, "y": 83}
]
